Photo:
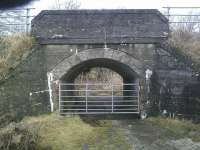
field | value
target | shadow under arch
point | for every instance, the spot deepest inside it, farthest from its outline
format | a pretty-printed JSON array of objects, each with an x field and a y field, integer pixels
[
  {"x": 128, "y": 75},
  {"x": 116, "y": 60}
]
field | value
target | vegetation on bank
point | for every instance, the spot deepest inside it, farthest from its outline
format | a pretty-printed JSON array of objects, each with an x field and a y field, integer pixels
[
  {"x": 53, "y": 132},
  {"x": 13, "y": 49},
  {"x": 187, "y": 44},
  {"x": 182, "y": 128}
]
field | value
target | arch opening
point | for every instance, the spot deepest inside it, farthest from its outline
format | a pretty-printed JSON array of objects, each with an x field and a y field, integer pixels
[
  {"x": 119, "y": 95},
  {"x": 123, "y": 70}
]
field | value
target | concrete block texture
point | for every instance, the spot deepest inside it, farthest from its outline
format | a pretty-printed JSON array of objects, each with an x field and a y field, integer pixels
[{"x": 100, "y": 26}]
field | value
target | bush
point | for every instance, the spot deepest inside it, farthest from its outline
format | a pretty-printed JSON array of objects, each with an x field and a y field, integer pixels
[
  {"x": 186, "y": 43},
  {"x": 181, "y": 128},
  {"x": 18, "y": 137},
  {"x": 13, "y": 49}
]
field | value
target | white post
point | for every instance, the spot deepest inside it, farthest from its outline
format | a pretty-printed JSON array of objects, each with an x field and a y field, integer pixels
[
  {"x": 148, "y": 73},
  {"x": 50, "y": 79}
]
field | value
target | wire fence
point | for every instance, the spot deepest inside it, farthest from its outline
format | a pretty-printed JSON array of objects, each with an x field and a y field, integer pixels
[
  {"x": 19, "y": 20},
  {"x": 15, "y": 21},
  {"x": 183, "y": 18}
]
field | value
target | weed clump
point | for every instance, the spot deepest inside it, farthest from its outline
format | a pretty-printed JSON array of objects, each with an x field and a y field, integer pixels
[
  {"x": 183, "y": 128},
  {"x": 18, "y": 137},
  {"x": 13, "y": 49},
  {"x": 54, "y": 132}
]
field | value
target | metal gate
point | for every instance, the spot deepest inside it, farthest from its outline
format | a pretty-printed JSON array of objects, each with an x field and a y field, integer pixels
[{"x": 98, "y": 98}]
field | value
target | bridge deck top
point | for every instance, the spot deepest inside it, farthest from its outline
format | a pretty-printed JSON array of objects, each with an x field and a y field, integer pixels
[{"x": 100, "y": 26}]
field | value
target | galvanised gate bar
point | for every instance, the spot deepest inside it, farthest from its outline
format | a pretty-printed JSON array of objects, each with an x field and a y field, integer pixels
[{"x": 98, "y": 98}]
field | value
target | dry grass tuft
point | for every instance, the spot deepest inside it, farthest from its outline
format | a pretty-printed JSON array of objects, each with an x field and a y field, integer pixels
[
  {"x": 179, "y": 127},
  {"x": 18, "y": 137},
  {"x": 13, "y": 49},
  {"x": 67, "y": 133},
  {"x": 186, "y": 43},
  {"x": 100, "y": 75}
]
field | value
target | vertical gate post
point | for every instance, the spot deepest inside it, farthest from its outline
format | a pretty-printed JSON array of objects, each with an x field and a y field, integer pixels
[
  {"x": 138, "y": 92},
  {"x": 59, "y": 95},
  {"x": 112, "y": 98},
  {"x": 86, "y": 97}
]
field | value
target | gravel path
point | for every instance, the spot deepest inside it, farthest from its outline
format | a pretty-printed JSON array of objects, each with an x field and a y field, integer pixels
[{"x": 144, "y": 136}]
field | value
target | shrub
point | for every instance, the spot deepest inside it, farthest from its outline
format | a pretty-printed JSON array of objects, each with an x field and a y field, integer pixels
[
  {"x": 186, "y": 43},
  {"x": 18, "y": 137},
  {"x": 178, "y": 127},
  {"x": 13, "y": 49}
]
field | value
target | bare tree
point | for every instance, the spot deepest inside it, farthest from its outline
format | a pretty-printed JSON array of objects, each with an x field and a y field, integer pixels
[
  {"x": 186, "y": 23},
  {"x": 185, "y": 35},
  {"x": 66, "y": 4},
  {"x": 18, "y": 20}
]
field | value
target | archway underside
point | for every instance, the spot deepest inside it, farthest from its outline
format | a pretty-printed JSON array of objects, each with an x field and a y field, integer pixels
[
  {"x": 128, "y": 75},
  {"x": 86, "y": 98}
]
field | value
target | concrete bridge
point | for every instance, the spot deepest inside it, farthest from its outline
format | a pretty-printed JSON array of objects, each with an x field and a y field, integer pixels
[
  {"x": 125, "y": 41},
  {"x": 121, "y": 40}
]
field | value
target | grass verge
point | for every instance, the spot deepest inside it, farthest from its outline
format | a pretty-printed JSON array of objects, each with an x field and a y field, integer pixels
[
  {"x": 183, "y": 128},
  {"x": 72, "y": 133}
]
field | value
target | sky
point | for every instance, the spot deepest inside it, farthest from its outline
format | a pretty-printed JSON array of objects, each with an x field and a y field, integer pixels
[{"x": 120, "y": 4}]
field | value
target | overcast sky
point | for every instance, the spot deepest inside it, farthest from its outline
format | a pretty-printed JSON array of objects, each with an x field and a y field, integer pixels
[{"x": 125, "y": 4}]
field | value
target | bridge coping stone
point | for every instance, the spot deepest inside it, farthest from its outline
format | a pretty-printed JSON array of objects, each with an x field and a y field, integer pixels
[{"x": 97, "y": 27}]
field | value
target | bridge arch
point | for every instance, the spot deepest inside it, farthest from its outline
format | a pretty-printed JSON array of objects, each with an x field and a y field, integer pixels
[
  {"x": 128, "y": 67},
  {"x": 121, "y": 62}
]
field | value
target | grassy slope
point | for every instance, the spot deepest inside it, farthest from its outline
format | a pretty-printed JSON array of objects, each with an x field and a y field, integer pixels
[
  {"x": 182, "y": 128},
  {"x": 13, "y": 49},
  {"x": 59, "y": 133},
  {"x": 187, "y": 43},
  {"x": 72, "y": 133}
]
